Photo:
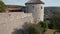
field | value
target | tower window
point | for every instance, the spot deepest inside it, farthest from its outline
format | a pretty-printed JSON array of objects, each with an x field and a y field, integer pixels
[
  {"x": 41, "y": 7},
  {"x": 32, "y": 6}
]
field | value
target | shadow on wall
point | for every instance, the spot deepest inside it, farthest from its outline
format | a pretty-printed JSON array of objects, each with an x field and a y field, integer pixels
[{"x": 20, "y": 31}]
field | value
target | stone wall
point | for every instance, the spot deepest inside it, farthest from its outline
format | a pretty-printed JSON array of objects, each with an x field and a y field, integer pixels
[{"x": 11, "y": 21}]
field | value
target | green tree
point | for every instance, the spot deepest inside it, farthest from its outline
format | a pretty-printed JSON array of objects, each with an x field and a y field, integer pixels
[
  {"x": 43, "y": 26},
  {"x": 39, "y": 28},
  {"x": 55, "y": 20},
  {"x": 2, "y": 6},
  {"x": 33, "y": 29}
]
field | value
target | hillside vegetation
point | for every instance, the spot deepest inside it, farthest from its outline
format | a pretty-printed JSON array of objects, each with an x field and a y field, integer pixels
[
  {"x": 2, "y": 6},
  {"x": 52, "y": 11}
]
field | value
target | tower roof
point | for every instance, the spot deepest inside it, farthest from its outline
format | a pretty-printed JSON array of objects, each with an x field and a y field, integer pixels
[{"x": 34, "y": 2}]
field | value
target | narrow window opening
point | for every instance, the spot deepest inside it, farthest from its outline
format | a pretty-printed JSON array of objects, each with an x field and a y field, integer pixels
[
  {"x": 33, "y": 7},
  {"x": 41, "y": 7}
]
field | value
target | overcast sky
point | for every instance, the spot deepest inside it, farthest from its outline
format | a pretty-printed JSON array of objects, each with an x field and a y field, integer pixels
[{"x": 21, "y": 2}]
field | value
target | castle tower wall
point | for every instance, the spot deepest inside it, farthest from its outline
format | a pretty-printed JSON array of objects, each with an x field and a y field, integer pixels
[{"x": 37, "y": 10}]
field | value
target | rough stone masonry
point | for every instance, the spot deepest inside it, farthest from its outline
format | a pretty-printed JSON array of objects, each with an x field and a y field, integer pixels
[{"x": 11, "y": 21}]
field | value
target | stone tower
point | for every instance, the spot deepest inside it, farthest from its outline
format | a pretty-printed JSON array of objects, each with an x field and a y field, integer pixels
[{"x": 36, "y": 7}]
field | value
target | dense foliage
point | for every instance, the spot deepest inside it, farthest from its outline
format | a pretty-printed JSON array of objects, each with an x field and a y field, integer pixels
[
  {"x": 55, "y": 21},
  {"x": 39, "y": 28},
  {"x": 33, "y": 29},
  {"x": 2, "y": 6},
  {"x": 44, "y": 26}
]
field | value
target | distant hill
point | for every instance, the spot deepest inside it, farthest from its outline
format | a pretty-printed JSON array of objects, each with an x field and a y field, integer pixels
[
  {"x": 53, "y": 9},
  {"x": 49, "y": 11}
]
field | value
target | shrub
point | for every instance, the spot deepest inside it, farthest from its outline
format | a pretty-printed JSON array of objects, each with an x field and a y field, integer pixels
[
  {"x": 33, "y": 29},
  {"x": 55, "y": 20},
  {"x": 43, "y": 26}
]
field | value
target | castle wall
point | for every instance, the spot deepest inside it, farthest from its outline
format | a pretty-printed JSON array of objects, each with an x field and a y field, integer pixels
[{"x": 11, "y": 21}]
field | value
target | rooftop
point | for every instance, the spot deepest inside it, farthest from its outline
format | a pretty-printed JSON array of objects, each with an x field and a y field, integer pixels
[
  {"x": 15, "y": 6},
  {"x": 35, "y": 2}
]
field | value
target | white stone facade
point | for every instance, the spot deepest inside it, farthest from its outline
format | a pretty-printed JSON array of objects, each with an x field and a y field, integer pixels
[
  {"x": 37, "y": 11},
  {"x": 11, "y": 21}
]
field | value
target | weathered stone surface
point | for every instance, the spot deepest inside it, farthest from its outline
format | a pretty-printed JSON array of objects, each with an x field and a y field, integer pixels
[{"x": 11, "y": 21}]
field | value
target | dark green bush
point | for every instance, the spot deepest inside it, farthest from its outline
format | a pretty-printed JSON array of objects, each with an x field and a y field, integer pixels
[
  {"x": 43, "y": 26},
  {"x": 33, "y": 29},
  {"x": 55, "y": 20}
]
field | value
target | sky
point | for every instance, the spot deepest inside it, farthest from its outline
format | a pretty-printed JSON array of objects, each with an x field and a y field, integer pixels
[{"x": 22, "y": 2}]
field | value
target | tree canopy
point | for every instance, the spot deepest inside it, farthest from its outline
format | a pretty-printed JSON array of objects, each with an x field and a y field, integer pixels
[
  {"x": 55, "y": 20},
  {"x": 39, "y": 28},
  {"x": 33, "y": 29},
  {"x": 2, "y": 6}
]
